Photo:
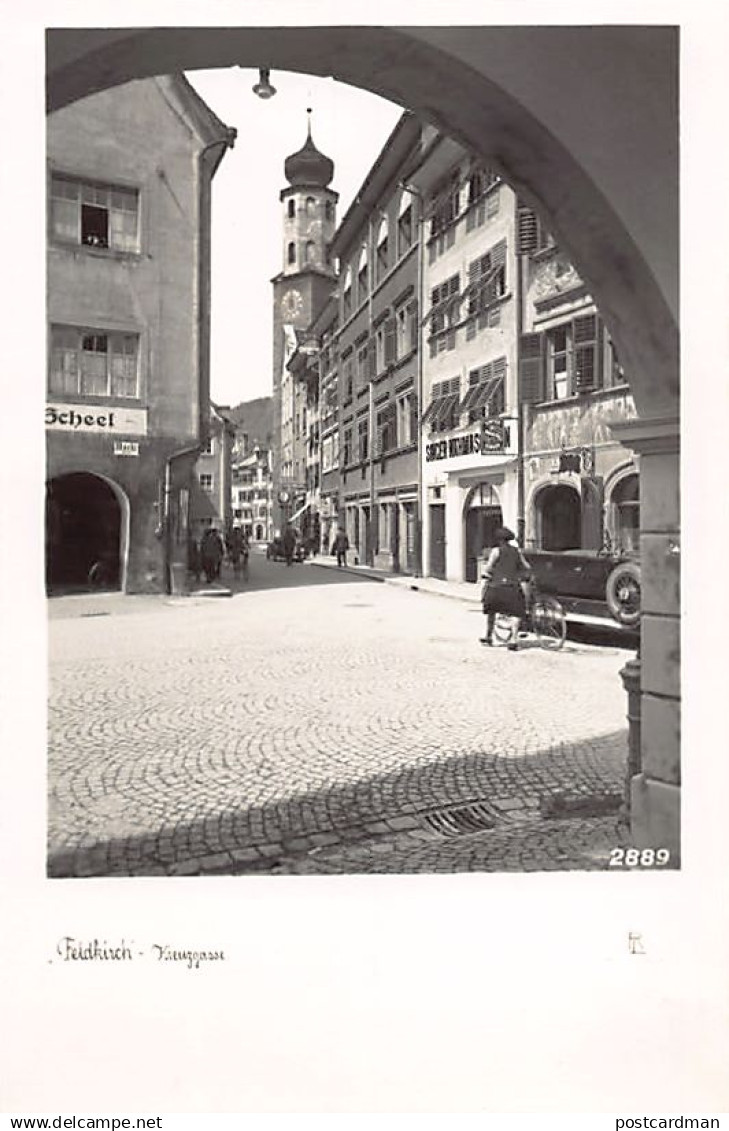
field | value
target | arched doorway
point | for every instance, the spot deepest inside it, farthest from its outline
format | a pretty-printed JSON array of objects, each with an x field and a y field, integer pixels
[
  {"x": 84, "y": 534},
  {"x": 625, "y": 513},
  {"x": 482, "y": 515},
  {"x": 559, "y": 518}
]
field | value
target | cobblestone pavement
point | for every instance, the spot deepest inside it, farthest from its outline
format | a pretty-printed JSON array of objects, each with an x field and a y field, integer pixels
[{"x": 316, "y": 723}]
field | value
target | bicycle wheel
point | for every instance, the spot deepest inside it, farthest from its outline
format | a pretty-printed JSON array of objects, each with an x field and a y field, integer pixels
[
  {"x": 502, "y": 628},
  {"x": 549, "y": 622}
]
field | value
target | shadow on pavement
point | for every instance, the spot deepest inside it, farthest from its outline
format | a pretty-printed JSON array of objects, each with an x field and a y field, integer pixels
[{"x": 526, "y": 794}]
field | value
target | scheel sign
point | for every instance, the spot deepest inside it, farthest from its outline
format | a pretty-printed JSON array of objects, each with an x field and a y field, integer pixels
[
  {"x": 492, "y": 437},
  {"x": 114, "y": 419}
]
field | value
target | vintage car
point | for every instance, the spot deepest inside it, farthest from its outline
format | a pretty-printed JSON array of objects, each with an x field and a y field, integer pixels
[{"x": 593, "y": 586}]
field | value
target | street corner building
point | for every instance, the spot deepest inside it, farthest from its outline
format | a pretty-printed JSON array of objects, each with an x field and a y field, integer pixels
[{"x": 128, "y": 314}]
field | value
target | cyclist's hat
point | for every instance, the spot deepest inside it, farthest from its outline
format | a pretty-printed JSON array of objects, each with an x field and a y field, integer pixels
[{"x": 503, "y": 534}]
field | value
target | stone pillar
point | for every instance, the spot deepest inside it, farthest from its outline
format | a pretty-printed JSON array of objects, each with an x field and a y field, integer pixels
[{"x": 655, "y": 788}]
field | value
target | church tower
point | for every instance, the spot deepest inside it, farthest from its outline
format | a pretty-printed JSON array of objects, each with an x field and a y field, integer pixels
[{"x": 300, "y": 290}]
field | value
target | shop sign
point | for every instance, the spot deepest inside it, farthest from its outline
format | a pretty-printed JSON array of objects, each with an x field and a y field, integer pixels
[
  {"x": 96, "y": 419},
  {"x": 490, "y": 438}
]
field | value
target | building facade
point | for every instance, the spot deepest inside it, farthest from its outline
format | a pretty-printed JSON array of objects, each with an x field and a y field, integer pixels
[
  {"x": 582, "y": 487},
  {"x": 470, "y": 434},
  {"x": 213, "y": 472},
  {"x": 129, "y": 189},
  {"x": 371, "y": 357}
]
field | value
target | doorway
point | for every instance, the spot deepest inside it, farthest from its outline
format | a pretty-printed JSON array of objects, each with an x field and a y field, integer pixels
[
  {"x": 83, "y": 534},
  {"x": 559, "y": 514},
  {"x": 437, "y": 564},
  {"x": 483, "y": 518}
]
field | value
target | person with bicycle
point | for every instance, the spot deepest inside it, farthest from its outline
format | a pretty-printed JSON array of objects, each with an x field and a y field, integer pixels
[{"x": 502, "y": 593}]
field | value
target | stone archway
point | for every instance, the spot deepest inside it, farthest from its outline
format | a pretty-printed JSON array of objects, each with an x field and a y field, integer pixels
[
  {"x": 527, "y": 99},
  {"x": 87, "y": 522}
]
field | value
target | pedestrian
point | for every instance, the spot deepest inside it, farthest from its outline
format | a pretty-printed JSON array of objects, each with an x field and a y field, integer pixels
[
  {"x": 341, "y": 545},
  {"x": 501, "y": 592},
  {"x": 289, "y": 543},
  {"x": 211, "y": 553},
  {"x": 236, "y": 545}
]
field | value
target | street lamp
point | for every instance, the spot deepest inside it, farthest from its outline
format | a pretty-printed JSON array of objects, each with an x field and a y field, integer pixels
[{"x": 263, "y": 87}]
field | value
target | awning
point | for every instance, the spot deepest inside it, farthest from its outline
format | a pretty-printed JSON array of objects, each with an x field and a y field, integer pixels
[
  {"x": 201, "y": 504},
  {"x": 478, "y": 395}
]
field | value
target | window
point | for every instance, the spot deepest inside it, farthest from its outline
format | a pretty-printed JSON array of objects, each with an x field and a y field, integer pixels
[
  {"x": 485, "y": 398},
  {"x": 348, "y": 376},
  {"x": 93, "y": 363},
  {"x": 443, "y": 412},
  {"x": 562, "y": 362},
  {"x": 406, "y": 329},
  {"x": 363, "y": 438},
  {"x": 385, "y": 345},
  {"x": 347, "y": 447},
  {"x": 207, "y": 447},
  {"x": 362, "y": 276},
  {"x": 347, "y": 294},
  {"x": 292, "y": 206},
  {"x": 206, "y": 481},
  {"x": 386, "y": 428},
  {"x": 311, "y": 256},
  {"x": 445, "y": 305},
  {"x": 95, "y": 215},
  {"x": 483, "y": 197},
  {"x": 292, "y": 253},
  {"x": 405, "y": 226},
  {"x": 445, "y": 207},
  {"x": 329, "y": 210},
  {"x": 407, "y": 422},
  {"x": 382, "y": 249},
  {"x": 486, "y": 279},
  {"x": 310, "y": 206}
]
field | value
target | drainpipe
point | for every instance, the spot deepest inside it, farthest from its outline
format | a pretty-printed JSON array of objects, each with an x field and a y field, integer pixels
[{"x": 419, "y": 282}]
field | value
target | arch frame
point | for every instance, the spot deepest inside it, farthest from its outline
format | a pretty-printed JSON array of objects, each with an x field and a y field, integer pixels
[{"x": 124, "y": 515}]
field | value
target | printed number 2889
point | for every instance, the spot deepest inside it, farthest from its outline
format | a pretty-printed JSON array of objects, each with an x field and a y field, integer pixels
[{"x": 636, "y": 857}]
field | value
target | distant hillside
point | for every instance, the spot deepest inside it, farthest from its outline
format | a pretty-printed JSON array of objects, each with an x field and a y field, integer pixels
[{"x": 255, "y": 418}]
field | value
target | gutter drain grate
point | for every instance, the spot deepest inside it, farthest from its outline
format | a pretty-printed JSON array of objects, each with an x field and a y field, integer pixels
[{"x": 459, "y": 820}]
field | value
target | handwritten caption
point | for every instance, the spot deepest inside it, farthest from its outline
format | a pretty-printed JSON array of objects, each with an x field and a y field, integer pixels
[{"x": 95, "y": 951}]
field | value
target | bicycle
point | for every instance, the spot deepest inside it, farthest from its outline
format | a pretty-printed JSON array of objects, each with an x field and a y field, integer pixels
[{"x": 544, "y": 618}]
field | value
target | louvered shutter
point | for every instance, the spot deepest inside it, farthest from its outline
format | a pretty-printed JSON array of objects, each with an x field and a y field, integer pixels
[
  {"x": 585, "y": 356},
  {"x": 414, "y": 325},
  {"x": 531, "y": 368},
  {"x": 527, "y": 228}
]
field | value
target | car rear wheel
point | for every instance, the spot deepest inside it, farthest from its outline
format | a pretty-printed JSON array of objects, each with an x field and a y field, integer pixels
[{"x": 622, "y": 593}]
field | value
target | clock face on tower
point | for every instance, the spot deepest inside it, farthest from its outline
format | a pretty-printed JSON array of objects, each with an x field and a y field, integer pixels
[{"x": 291, "y": 304}]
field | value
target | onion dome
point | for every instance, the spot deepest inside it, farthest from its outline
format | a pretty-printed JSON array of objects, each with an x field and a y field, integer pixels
[{"x": 308, "y": 167}]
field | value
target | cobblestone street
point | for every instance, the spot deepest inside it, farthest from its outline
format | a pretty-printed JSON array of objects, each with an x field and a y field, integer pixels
[{"x": 319, "y": 723}]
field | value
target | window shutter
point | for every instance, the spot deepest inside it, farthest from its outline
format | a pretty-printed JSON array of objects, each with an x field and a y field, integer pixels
[
  {"x": 390, "y": 341},
  {"x": 498, "y": 254},
  {"x": 531, "y": 368},
  {"x": 527, "y": 228},
  {"x": 414, "y": 325},
  {"x": 585, "y": 339},
  {"x": 371, "y": 359}
]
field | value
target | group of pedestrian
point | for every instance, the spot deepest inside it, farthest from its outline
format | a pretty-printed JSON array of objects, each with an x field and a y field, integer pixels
[{"x": 207, "y": 555}]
